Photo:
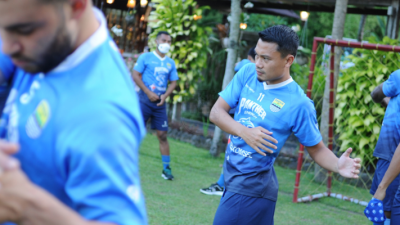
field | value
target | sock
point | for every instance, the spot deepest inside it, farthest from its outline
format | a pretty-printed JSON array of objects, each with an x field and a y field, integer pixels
[
  {"x": 220, "y": 181},
  {"x": 387, "y": 221},
  {"x": 165, "y": 160}
]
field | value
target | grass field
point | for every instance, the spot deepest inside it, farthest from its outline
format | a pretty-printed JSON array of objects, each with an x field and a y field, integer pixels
[{"x": 180, "y": 202}]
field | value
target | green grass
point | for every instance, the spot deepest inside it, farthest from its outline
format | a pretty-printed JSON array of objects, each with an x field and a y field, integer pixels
[{"x": 180, "y": 202}]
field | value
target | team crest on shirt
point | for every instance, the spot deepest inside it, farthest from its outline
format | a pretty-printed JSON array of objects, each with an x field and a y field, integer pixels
[
  {"x": 276, "y": 105},
  {"x": 169, "y": 65},
  {"x": 38, "y": 120}
]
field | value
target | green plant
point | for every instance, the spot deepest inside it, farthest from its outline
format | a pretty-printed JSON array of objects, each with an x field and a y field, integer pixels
[
  {"x": 358, "y": 118},
  {"x": 189, "y": 41},
  {"x": 206, "y": 124}
]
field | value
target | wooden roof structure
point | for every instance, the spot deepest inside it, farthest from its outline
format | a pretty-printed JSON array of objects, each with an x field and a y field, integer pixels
[{"x": 368, "y": 7}]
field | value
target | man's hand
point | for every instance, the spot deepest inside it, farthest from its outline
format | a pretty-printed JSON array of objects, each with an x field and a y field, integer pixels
[
  {"x": 256, "y": 138},
  {"x": 6, "y": 161},
  {"x": 162, "y": 101},
  {"x": 348, "y": 167},
  {"x": 153, "y": 96}
]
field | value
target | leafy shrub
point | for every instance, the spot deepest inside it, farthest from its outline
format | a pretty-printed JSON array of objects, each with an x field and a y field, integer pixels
[{"x": 358, "y": 118}]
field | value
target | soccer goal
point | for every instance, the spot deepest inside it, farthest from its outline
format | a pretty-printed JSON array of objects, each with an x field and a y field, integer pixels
[{"x": 350, "y": 116}]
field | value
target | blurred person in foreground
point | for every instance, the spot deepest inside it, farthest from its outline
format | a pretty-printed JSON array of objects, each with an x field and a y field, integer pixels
[
  {"x": 270, "y": 105},
  {"x": 385, "y": 185},
  {"x": 71, "y": 125},
  {"x": 151, "y": 73}
]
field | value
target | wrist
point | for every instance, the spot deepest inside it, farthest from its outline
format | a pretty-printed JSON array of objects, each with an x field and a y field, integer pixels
[
  {"x": 241, "y": 131},
  {"x": 382, "y": 187}
]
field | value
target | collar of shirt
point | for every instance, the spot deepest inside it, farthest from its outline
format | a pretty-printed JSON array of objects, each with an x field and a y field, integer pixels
[{"x": 273, "y": 86}]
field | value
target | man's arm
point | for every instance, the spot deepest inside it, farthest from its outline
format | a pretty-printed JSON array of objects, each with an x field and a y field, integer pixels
[
  {"x": 344, "y": 165},
  {"x": 138, "y": 81},
  {"x": 170, "y": 89},
  {"x": 392, "y": 172},
  {"x": 379, "y": 97},
  {"x": 254, "y": 137}
]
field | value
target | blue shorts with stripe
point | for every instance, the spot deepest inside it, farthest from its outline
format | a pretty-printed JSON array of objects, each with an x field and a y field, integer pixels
[
  {"x": 157, "y": 114},
  {"x": 237, "y": 209}
]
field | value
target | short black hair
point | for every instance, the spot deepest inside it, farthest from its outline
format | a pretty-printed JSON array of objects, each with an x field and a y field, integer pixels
[
  {"x": 161, "y": 33},
  {"x": 252, "y": 52},
  {"x": 286, "y": 39}
]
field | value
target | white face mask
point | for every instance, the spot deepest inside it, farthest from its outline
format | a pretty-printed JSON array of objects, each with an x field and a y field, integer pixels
[{"x": 164, "y": 48}]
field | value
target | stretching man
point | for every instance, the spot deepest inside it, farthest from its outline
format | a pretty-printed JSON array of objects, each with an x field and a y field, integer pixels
[{"x": 270, "y": 105}]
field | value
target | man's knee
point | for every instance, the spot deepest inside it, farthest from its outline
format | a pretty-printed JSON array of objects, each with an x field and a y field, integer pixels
[{"x": 162, "y": 136}]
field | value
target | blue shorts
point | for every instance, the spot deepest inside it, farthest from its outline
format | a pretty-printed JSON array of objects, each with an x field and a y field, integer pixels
[
  {"x": 237, "y": 209},
  {"x": 395, "y": 215},
  {"x": 158, "y": 115},
  {"x": 380, "y": 171}
]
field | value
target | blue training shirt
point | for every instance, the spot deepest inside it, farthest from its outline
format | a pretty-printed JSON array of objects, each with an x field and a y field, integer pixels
[
  {"x": 389, "y": 137},
  {"x": 241, "y": 64},
  {"x": 156, "y": 72},
  {"x": 79, "y": 127},
  {"x": 282, "y": 109}
]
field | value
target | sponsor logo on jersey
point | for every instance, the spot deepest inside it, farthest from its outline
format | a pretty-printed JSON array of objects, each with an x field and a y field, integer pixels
[
  {"x": 276, "y": 105},
  {"x": 239, "y": 151},
  {"x": 38, "y": 120},
  {"x": 247, "y": 104}
]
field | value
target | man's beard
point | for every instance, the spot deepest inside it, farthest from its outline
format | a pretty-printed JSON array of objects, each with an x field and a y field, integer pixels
[
  {"x": 57, "y": 51},
  {"x": 52, "y": 56}
]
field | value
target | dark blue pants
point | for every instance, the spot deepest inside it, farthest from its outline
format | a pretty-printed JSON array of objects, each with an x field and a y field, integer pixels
[{"x": 237, "y": 209}]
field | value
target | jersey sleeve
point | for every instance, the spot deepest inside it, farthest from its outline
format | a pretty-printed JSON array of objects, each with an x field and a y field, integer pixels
[
  {"x": 7, "y": 68},
  {"x": 173, "y": 75},
  {"x": 305, "y": 124},
  {"x": 231, "y": 94},
  {"x": 140, "y": 63},
  {"x": 391, "y": 87},
  {"x": 101, "y": 167}
]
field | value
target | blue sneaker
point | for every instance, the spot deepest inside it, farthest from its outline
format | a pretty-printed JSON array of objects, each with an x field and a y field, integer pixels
[{"x": 167, "y": 174}]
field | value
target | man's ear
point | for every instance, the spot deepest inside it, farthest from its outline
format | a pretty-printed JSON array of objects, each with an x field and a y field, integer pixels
[
  {"x": 78, "y": 7},
  {"x": 289, "y": 60}
]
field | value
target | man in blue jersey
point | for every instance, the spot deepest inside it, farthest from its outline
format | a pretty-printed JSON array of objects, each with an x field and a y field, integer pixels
[
  {"x": 385, "y": 185},
  {"x": 71, "y": 124},
  {"x": 151, "y": 73},
  {"x": 270, "y": 105},
  {"x": 250, "y": 59}
]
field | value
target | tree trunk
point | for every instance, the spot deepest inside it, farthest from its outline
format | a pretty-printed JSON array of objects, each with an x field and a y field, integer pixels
[
  {"x": 337, "y": 33},
  {"x": 361, "y": 28},
  {"x": 230, "y": 63}
]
